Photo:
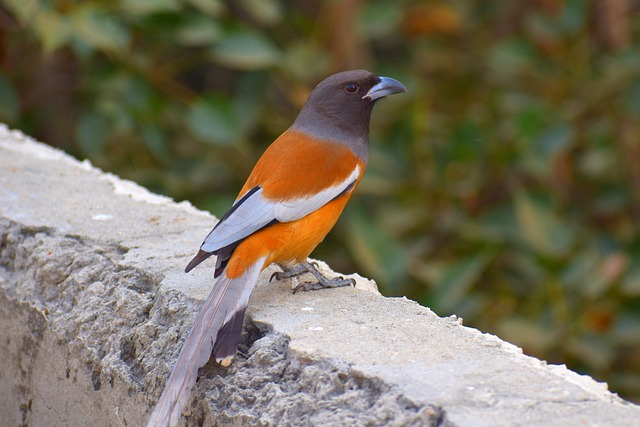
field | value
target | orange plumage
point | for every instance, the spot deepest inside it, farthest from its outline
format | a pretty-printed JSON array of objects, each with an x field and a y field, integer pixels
[{"x": 295, "y": 165}]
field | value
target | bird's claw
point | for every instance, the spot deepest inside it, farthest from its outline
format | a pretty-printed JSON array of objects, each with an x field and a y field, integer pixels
[
  {"x": 336, "y": 282},
  {"x": 312, "y": 268},
  {"x": 288, "y": 273},
  {"x": 276, "y": 276}
]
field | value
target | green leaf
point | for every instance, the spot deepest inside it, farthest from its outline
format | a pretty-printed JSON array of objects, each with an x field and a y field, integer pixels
[
  {"x": 457, "y": 279},
  {"x": 26, "y": 10},
  {"x": 631, "y": 97},
  {"x": 540, "y": 227},
  {"x": 466, "y": 141},
  {"x": 630, "y": 285},
  {"x": 627, "y": 328},
  {"x": 213, "y": 8},
  {"x": 212, "y": 120},
  {"x": 147, "y": 7},
  {"x": 52, "y": 28},
  {"x": 539, "y": 154},
  {"x": 512, "y": 57},
  {"x": 533, "y": 336},
  {"x": 591, "y": 350},
  {"x": 380, "y": 19},
  {"x": 265, "y": 12},
  {"x": 498, "y": 225},
  {"x": 249, "y": 99},
  {"x": 380, "y": 254},
  {"x": 99, "y": 29},
  {"x": 198, "y": 30},
  {"x": 305, "y": 60},
  {"x": 529, "y": 122},
  {"x": 155, "y": 140},
  {"x": 575, "y": 16},
  {"x": 8, "y": 100},
  {"x": 246, "y": 50},
  {"x": 585, "y": 274},
  {"x": 558, "y": 137},
  {"x": 91, "y": 133}
]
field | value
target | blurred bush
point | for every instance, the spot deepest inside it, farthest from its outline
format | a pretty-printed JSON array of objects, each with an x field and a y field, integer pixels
[{"x": 504, "y": 187}]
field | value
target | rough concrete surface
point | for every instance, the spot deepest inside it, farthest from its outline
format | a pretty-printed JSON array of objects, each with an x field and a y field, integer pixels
[{"x": 94, "y": 305}]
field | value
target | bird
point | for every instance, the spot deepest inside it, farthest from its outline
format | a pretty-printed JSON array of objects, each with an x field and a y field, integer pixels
[{"x": 291, "y": 200}]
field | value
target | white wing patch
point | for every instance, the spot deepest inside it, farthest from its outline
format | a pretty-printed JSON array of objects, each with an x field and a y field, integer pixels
[
  {"x": 291, "y": 210},
  {"x": 256, "y": 212}
]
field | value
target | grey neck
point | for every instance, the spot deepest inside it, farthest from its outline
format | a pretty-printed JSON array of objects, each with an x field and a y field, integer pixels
[{"x": 322, "y": 123}]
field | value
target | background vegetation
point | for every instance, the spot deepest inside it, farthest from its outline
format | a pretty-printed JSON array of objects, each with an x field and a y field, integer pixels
[{"x": 504, "y": 187}]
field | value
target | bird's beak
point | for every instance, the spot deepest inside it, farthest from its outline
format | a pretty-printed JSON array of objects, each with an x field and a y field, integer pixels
[{"x": 387, "y": 86}]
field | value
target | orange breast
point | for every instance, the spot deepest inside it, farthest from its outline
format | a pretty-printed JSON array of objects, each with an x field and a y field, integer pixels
[{"x": 296, "y": 165}]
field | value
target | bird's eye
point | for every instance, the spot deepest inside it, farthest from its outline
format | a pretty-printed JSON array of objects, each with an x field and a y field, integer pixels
[{"x": 351, "y": 87}]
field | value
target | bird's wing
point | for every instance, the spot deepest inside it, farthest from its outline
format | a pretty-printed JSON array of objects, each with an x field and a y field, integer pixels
[{"x": 254, "y": 211}]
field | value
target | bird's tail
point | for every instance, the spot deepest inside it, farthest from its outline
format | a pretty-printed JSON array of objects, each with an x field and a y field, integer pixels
[{"x": 217, "y": 329}]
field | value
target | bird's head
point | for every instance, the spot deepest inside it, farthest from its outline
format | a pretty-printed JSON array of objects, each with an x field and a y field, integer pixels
[
  {"x": 350, "y": 92},
  {"x": 339, "y": 108}
]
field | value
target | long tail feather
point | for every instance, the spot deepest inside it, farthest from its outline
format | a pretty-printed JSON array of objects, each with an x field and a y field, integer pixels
[
  {"x": 228, "y": 339},
  {"x": 227, "y": 298},
  {"x": 200, "y": 256}
]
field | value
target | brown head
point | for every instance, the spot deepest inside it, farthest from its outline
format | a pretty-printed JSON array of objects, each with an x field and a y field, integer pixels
[{"x": 339, "y": 108}]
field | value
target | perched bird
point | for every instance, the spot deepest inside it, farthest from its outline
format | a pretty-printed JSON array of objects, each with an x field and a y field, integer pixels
[{"x": 293, "y": 197}]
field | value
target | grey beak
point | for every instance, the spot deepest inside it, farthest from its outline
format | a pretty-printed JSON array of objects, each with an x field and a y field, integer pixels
[{"x": 387, "y": 86}]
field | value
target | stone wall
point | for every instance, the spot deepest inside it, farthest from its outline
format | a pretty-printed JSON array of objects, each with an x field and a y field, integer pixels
[{"x": 94, "y": 305}]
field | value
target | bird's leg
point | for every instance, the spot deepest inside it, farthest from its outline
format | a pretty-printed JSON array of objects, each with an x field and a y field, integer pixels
[
  {"x": 323, "y": 282},
  {"x": 289, "y": 272}
]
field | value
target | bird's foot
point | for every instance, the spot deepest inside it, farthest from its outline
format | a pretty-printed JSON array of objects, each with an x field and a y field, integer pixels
[
  {"x": 295, "y": 271},
  {"x": 323, "y": 282}
]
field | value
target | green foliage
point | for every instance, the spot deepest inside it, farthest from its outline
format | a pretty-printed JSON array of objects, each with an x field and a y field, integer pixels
[{"x": 504, "y": 187}]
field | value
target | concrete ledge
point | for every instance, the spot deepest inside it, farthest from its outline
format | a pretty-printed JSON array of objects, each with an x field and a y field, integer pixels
[{"x": 94, "y": 306}]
